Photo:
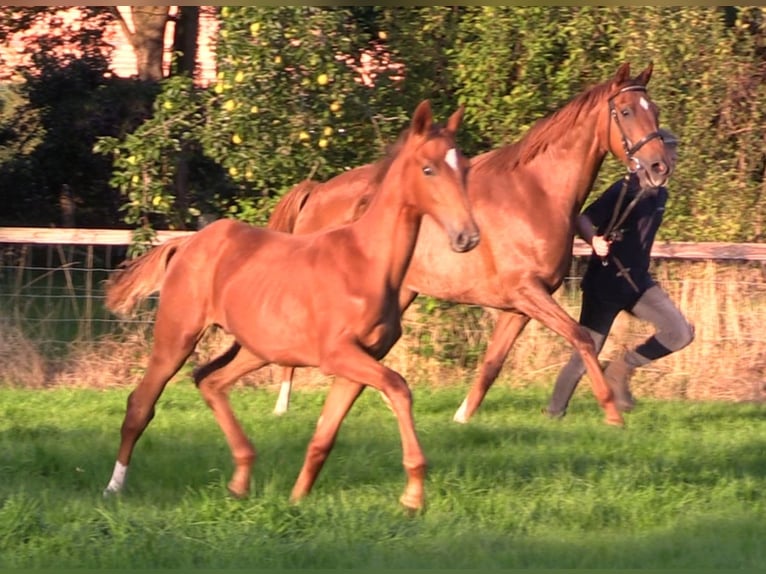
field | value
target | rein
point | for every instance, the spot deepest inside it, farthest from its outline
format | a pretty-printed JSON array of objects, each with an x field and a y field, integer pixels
[{"x": 612, "y": 233}]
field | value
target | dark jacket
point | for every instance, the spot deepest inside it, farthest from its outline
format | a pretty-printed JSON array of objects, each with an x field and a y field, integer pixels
[{"x": 630, "y": 250}]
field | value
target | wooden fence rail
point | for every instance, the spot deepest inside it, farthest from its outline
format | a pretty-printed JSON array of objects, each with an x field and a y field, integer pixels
[{"x": 667, "y": 250}]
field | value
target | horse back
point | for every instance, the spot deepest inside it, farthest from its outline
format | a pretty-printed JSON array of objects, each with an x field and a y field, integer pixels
[{"x": 338, "y": 201}]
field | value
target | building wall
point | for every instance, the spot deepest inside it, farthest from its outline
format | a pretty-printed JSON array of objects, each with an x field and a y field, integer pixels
[{"x": 123, "y": 60}]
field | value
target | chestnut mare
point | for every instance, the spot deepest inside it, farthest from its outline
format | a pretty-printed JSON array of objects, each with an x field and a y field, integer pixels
[
  {"x": 328, "y": 299},
  {"x": 524, "y": 197}
]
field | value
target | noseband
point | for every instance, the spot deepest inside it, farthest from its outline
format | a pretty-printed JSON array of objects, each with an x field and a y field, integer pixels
[{"x": 629, "y": 150}]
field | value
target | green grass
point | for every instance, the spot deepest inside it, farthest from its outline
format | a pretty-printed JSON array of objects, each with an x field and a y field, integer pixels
[{"x": 682, "y": 487}]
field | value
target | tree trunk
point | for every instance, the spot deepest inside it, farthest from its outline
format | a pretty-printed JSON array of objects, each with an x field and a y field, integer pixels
[
  {"x": 148, "y": 40},
  {"x": 185, "y": 39},
  {"x": 185, "y": 45}
]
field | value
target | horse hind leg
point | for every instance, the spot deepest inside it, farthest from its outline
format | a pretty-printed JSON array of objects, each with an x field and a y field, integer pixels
[
  {"x": 340, "y": 398},
  {"x": 507, "y": 329},
  {"x": 169, "y": 352},
  {"x": 285, "y": 387},
  {"x": 214, "y": 381}
]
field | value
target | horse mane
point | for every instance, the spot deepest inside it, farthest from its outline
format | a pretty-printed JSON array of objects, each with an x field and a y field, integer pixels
[
  {"x": 286, "y": 212},
  {"x": 545, "y": 131}
]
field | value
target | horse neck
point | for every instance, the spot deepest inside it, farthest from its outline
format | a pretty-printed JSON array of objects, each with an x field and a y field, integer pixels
[
  {"x": 582, "y": 152},
  {"x": 388, "y": 229}
]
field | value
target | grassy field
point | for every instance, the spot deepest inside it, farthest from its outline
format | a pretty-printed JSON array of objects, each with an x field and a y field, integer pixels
[{"x": 682, "y": 487}]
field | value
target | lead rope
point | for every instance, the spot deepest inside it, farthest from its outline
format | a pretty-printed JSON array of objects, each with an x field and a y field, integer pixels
[{"x": 617, "y": 219}]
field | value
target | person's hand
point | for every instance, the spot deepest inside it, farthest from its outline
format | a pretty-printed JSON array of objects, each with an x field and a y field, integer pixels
[{"x": 600, "y": 246}]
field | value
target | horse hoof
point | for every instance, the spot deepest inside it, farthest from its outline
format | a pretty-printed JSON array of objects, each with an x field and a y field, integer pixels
[
  {"x": 461, "y": 415},
  {"x": 412, "y": 505},
  {"x": 238, "y": 492},
  {"x": 615, "y": 421}
]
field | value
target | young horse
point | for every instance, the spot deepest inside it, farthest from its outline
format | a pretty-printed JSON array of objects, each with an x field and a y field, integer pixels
[
  {"x": 329, "y": 299},
  {"x": 524, "y": 197}
]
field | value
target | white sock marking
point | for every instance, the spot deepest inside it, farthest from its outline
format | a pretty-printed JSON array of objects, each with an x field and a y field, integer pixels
[
  {"x": 283, "y": 400},
  {"x": 118, "y": 479},
  {"x": 460, "y": 414}
]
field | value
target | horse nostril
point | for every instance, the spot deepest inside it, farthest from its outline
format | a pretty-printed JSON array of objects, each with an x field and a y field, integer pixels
[
  {"x": 465, "y": 241},
  {"x": 660, "y": 167}
]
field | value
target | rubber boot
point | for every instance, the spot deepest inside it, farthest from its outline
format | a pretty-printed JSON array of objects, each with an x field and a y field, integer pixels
[{"x": 617, "y": 374}]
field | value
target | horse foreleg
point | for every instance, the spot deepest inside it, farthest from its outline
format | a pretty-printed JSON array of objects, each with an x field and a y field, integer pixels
[
  {"x": 507, "y": 329},
  {"x": 351, "y": 362},
  {"x": 539, "y": 304},
  {"x": 169, "y": 352},
  {"x": 285, "y": 386},
  {"x": 214, "y": 381},
  {"x": 341, "y": 397}
]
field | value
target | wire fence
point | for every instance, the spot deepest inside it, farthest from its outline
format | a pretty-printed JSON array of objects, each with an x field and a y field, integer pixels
[{"x": 52, "y": 294}]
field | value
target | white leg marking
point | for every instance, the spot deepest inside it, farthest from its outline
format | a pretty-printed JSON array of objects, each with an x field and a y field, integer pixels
[
  {"x": 118, "y": 479},
  {"x": 460, "y": 414},
  {"x": 283, "y": 400}
]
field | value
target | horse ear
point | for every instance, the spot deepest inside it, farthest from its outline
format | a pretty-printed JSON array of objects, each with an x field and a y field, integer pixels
[
  {"x": 623, "y": 73},
  {"x": 453, "y": 123},
  {"x": 644, "y": 77},
  {"x": 422, "y": 118}
]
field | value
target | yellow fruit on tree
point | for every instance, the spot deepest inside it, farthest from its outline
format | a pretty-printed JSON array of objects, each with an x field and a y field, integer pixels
[
  {"x": 236, "y": 138},
  {"x": 303, "y": 136},
  {"x": 323, "y": 143},
  {"x": 335, "y": 107},
  {"x": 254, "y": 110},
  {"x": 240, "y": 76},
  {"x": 255, "y": 27},
  {"x": 233, "y": 171},
  {"x": 229, "y": 105},
  {"x": 327, "y": 131},
  {"x": 322, "y": 79}
]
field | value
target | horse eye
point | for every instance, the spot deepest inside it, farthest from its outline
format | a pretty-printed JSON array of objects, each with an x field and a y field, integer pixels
[
  {"x": 625, "y": 112},
  {"x": 428, "y": 170}
]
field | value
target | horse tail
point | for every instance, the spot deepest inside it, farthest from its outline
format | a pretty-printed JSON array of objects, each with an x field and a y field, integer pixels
[
  {"x": 140, "y": 277},
  {"x": 286, "y": 212}
]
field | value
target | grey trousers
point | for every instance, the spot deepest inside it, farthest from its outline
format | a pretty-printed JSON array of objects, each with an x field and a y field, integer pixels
[{"x": 672, "y": 333}]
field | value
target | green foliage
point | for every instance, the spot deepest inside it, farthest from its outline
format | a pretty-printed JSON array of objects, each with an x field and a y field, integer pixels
[
  {"x": 146, "y": 160},
  {"x": 288, "y": 104}
]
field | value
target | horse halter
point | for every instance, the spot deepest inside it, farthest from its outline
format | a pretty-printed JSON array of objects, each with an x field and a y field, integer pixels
[{"x": 629, "y": 150}]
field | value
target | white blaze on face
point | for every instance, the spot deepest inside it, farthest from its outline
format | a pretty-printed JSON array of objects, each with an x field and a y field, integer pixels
[
  {"x": 451, "y": 158},
  {"x": 644, "y": 103}
]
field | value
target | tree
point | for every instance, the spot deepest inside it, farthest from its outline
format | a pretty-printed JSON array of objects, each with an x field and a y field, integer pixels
[{"x": 65, "y": 90}]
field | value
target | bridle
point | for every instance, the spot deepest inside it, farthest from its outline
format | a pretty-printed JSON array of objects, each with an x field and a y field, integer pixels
[
  {"x": 630, "y": 150},
  {"x": 619, "y": 215}
]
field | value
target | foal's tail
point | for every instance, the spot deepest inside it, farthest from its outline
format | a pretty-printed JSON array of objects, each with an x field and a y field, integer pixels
[
  {"x": 286, "y": 212},
  {"x": 140, "y": 277}
]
